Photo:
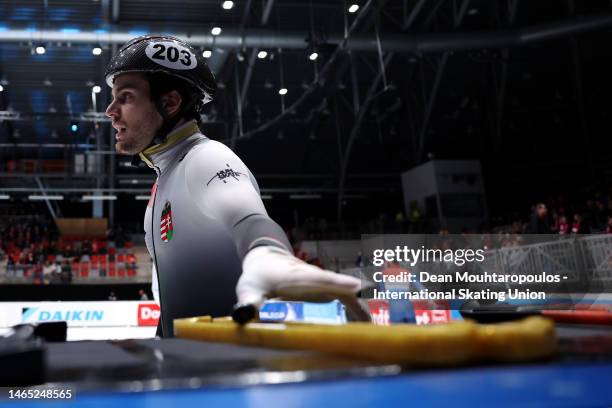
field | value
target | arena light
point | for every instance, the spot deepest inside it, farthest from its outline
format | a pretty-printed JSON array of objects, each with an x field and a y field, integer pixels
[
  {"x": 142, "y": 197},
  {"x": 353, "y": 8},
  {"x": 36, "y": 197},
  {"x": 313, "y": 56},
  {"x": 227, "y": 5},
  {"x": 96, "y": 50},
  {"x": 5, "y": 197},
  {"x": 40, "y": 50},
  {"x": 99, "y": 197},
  {"x": 216, "y": 31},
  {"x": 282, "y": 91},
  {"x": 207, "y": 53},
  {"x": 96, "y": 89},
  {"x": 1, "y": 88},
  {"x": 262, "y": 54},
  {"x": 305, "y": 196}
]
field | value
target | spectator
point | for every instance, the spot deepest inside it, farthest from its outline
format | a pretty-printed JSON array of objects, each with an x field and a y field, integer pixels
[
  {"x": 538, "y": 224},
  {"x": 66, "y": 276},
  {"x": 78, "y": 249},
  {"x": 414, "y": 217},
  {"x": 19, "y": 270},
  {"x": 578, "y": 226},
  {"x": 119, "y": 237},
  {"x": 143, "y": 295},
  {"x": 47, "y": 271},
  {"x": 87, "y": 247},
  {"x": 563, "y": 225},
  {"x": 37, "y": 271},
  {"x": 600, "y": 216},
  {"x": 57, "y": 273},
  {"x": 359, "y": 260},
  {"x": 39, "y": 255},
  {"x": 10, "y": 267},
  {"x": 68, "y": 253},
  {"x": 554, "y": 228}
]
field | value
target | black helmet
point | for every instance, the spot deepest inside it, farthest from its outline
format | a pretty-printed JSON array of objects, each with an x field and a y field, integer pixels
[{"x": 166, "y": 54}]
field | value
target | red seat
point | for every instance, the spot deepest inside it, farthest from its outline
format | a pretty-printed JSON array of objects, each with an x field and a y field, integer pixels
[
  {"x": 112, "y": 269},
  {"x": 84, "y": 269},
  {"x": 122, "y": 273}
]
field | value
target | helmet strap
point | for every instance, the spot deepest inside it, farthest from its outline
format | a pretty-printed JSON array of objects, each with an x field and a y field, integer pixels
[{"x": 169, "y": 122}]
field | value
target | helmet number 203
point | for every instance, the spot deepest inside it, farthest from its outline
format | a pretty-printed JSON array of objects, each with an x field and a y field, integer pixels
[{"x": 171, "y": 55}]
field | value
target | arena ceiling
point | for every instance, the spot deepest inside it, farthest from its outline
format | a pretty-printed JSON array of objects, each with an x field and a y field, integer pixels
[{"x": 522, "y": 86}]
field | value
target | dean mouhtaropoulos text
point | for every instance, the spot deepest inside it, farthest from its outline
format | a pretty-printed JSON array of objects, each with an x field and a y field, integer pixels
[{"x": 465, "y": 277}]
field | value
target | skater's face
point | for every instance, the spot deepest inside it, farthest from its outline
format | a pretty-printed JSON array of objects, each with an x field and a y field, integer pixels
[{"x": 133, "y": 114}]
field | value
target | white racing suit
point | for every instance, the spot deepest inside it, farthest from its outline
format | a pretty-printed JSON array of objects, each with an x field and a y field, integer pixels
[{"x": 204, "y": 215}]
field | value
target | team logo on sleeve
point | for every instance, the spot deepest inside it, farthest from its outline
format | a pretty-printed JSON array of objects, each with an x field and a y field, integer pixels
[
  {"x": 224, "y": 174},
  {"x": 166, "y": 228}
]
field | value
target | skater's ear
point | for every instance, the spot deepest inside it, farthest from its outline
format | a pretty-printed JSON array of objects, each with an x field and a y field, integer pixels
[{"x": 171, "y": 102}]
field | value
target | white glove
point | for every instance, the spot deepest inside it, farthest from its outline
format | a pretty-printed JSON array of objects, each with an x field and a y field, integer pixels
[{"x": 269, "y": 271}]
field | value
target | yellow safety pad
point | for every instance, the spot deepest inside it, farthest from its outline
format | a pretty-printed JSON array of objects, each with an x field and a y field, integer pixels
[{"x": 437, "y": 345}]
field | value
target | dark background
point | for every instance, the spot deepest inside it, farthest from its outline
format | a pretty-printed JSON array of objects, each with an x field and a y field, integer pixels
[{"x": 534, "y": 112}]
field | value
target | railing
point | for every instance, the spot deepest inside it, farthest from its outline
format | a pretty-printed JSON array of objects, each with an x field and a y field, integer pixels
[
  {"x": 578, "y": 259},
  {"x": 596, "y": 254},
  {"x": 558, "y": 257}
]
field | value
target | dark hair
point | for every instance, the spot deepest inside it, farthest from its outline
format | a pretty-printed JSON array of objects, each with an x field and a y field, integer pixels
[{"x": 161, "y": 83}]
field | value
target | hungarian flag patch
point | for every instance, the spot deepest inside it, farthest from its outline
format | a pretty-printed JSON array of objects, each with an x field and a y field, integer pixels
[{"x": 166, "y": 228}]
